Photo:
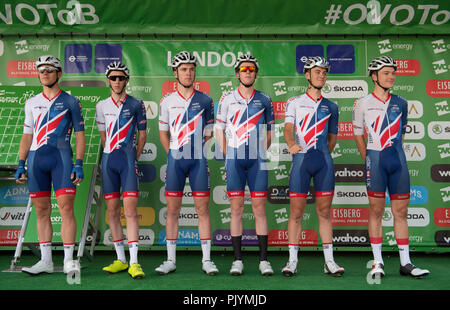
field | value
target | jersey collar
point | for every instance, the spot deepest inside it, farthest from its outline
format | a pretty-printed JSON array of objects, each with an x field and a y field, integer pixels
[
  {"x": 123, "y": 101},
  {"x": 53, "y": 97},
  {"x": 241, "y": 97},
  {"x": 388, "y": 98},
  {"x": 318, "y": 100},
  {"x": 186, "y": 99}
]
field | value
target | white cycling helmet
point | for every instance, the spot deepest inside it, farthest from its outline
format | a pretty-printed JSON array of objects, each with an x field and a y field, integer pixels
[
  {"x": 49, "y": 60},
  {"x": 117, "y": 66},
  {"x": 380, "y": 62},
  {"x": 183, "y": 58},
  {"x": 246, "y": 58},
  {"x": 316, "y": 61}
]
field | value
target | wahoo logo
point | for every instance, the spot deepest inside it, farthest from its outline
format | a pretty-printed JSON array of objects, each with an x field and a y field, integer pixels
[
  {"x": 311, "y": 134},
  {"x": 187, "y": 129},
  {"x": 118, "y": 136},
  {"x": 43, "y": 129},
  {"x": 244, "y": 129},
  {"x": 389, "y": 133}
]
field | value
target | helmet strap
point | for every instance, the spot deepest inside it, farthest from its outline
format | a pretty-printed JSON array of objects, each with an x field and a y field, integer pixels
[
  {"x": 378, "y": 83},
  {"x": 310, "y": 83}
]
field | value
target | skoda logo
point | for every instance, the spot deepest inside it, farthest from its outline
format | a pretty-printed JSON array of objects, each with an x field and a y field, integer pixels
[{"x": 326, "y": 88}]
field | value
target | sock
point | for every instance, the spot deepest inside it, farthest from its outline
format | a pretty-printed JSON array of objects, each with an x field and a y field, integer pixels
[
  {"x": 206, "y": 249},
  {"x": 328, "y": 251},
  {"x": 46, "y": 251},
  {"x": 120, "y": 251},
  {"x": 68, "y": 251},
  {"x": 293, "y": 252},
  {"x": 376, "y": 243},
  {"x": 171, "y": 250},
  {"x": 262, "y": 242},
  {"x": 236, "y": 243},
  {"x": 403, "y": 250},
  {"x": 133, "y": 248}
]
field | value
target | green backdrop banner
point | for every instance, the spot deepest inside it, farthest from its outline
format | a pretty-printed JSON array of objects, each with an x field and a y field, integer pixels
[
  {"x": 423, "y": 79},
  {"x": 224, "y": 17}
]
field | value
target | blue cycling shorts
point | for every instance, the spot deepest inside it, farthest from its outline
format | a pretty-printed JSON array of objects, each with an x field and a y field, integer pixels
[{"x": 49, "y": 165}]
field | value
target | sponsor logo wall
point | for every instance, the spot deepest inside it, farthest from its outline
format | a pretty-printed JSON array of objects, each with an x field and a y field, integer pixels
[{"x": 423, "y": 80}]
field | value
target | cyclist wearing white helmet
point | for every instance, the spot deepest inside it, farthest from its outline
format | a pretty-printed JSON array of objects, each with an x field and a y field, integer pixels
[
  {"x": 119, "y": 118},
  {"x": 50, "y": 117},
  {"x": 185, "y": 120},
  {"x": 384, "y": 117},
  {"x": 244, "y": 117},
  {"x": 311, "y": 127}
]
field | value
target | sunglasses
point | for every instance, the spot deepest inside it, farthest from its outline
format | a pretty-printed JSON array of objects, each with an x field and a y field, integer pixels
[
  {"x": 46, "y": 69},
  {"x": 249, "y": 68},
  {"x": 115, "y": 77}
]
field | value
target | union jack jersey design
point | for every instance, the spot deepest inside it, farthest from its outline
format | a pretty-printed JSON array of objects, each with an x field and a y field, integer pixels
[
  {"x": 313, "y": 121},
  {"x": 241, "y": 119},
  {"x": 120, "y": 122},
  {"x": 50, "y": 121},
  {"x": 187, "y": 119},
  {"x": 385, "y": 122}
]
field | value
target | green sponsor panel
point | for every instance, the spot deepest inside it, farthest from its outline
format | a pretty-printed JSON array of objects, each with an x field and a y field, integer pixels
[{"x": 422, "y": 79}]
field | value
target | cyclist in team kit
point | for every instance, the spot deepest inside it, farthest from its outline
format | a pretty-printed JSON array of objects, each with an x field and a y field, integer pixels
[
  {"x": 384, "y": 116},
  {"x": 50, "y": 118},
  {"x": 185, "y": 125},
  {"x": 119, "y": 118},
  {"x": 242, "y": 117},
  {"x": 311, "y": 127}
]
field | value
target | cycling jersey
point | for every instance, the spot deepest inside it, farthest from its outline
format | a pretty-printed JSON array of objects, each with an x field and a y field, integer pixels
[
  {"x": 50, "y": 121},
  {"x": 313, "y": 121},
  {"x": 120, "y": 123},
  {"x": 243, "y": 123},
  {"x": 188, "y": 121},
  {"x": 242, "y": 120},
  {"x": 385, "y": 123}
]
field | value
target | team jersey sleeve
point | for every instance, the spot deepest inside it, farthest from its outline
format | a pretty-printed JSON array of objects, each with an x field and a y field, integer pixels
[
  {"x": 163, "y": 116},
  {"x": 209, "y": 117},
  {"x": 290, "y": 112},
  {"x": 77, "y": 116},
  {"x": 334, "y": 119},
  {"x": 404, "y": 116},
  {"x": 358, "y": 118},
  {"x": 270, "y": 118},
  {"x": 141, "y": 117},
  {"x": 222, "y": 110},
  {"x": 28, "y": 124},
  {"x": 100, "y": 117}
]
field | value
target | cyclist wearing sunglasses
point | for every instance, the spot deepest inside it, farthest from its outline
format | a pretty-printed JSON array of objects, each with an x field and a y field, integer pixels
[
  {"x": 311, "y": 127},
  {"x": 244, "y": 117},
  {"x": 50, "y": 118},
  {"x": 119, "y": 118},
  {"x": 185, "y": 125}
]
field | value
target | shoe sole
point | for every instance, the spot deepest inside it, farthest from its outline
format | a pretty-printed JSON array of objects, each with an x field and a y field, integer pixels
[
  {"x": 377, "y": 275},
  {"x": 415, "y": 277},
  {"x": 336, "y": 274},
  {"x": 211, "y": 273},
  {"x": 111, "y": 272},
  {"x": 141, "y": 276},
  {"x": 235, "y": 273},
  {"x": 267, "y": 273},
  {"x": 162, "y": 273},
  {"x": 288, "y": 273},
  {"x": 36, "y": 274}
]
